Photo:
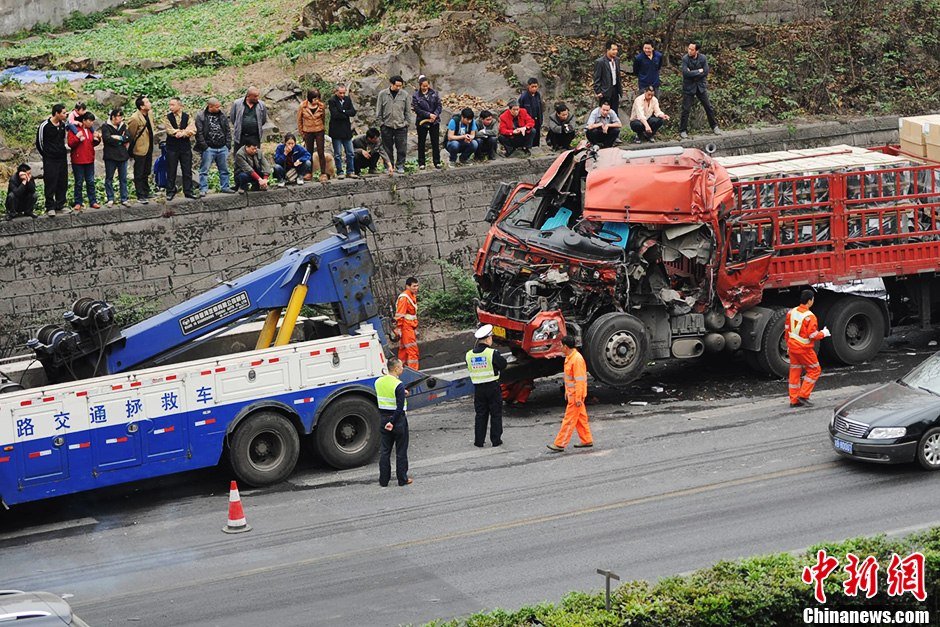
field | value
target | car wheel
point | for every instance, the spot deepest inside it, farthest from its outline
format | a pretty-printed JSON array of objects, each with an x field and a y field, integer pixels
[
  {"x": 857, "y": 326},
  {"x": 347, "y": 433},
  {"x": 617, "y": 347},
  {"x": 928, "y": 450},
  {"x": 264, "y": 449},
  {"x": 772, "y": 358}
]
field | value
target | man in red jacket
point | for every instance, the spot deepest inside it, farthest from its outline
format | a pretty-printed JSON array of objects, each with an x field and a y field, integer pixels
[
  {"x": 802, "y": 330},
  {"x": 83, "y": 145},
  {"x": 516, "y": 129}
]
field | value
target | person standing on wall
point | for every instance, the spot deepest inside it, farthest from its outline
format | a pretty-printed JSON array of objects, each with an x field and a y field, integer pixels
[
  {"x": 531, "y": 101},
  {"x": 141, "y": 130},
  {"x": 82, "y": 145},
  {"x": 180, "y": 128},
  {"x": 116, "y": 138},
  {"x": 406, "y": 319},
  {"x": 802, "y": 330},
  {"x": 695, "y": 85},
  {"x": 390, "y": 393},
  {"x": 311, "y": 118},
  {"x": 427, "y": 107},
  {"x": 50, "y": 143},
  {"x": 248, "y": 116},
  {"x": 485, "y": 364},
  {"x": 213, "y": 138},
  {"x": 342, "y": 111},
  {"x": 576, "y": 417},
  {"x": 607, "y": 84},
  {"x": 391, "y": 110}
]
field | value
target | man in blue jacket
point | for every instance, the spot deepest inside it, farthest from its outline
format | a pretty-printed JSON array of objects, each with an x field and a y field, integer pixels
[
  {"x": 531, "y": 101},
  {"x": 390, "y": 393},
  {"x": 646, "y": 67},
  {"x": 291, "y": 161}
]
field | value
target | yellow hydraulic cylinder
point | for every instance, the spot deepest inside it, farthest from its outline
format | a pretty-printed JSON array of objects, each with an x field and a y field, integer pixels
[
  {"x": 296, "y": 303},
  {"x": 269, "y": 328}
]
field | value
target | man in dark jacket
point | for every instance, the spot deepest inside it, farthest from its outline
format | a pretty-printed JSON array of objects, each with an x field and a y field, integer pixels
[
  {"x": 390, "y": 395},
  {"x": 607, "y": 83},
  {"x": 116, "y": 138},
  {"x": 21, "y": 193},
  {"x": 646, "y": 67},
  {"x": 248, "y": 116},
  {"x": 531, "y": 101},
  {"x": 694, "y": 85},
  {"x": 487, "y": 136},
  {"x": 342, "y": 110},
  {"x": 50, "y": 142},
  {"x": 561, "y": 128},
  {"x": 251, "y": 168},
  {"x": 427, "y": 107},
  {"x": 180, "y": 129},
  {"x": 213, "y": 138}
]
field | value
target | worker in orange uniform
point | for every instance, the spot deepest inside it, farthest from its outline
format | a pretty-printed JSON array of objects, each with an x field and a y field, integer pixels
[
  {"x": 406, "y": 319},
  {"x": 802, "y": 330},
  {"x": 575, "y": 393}
]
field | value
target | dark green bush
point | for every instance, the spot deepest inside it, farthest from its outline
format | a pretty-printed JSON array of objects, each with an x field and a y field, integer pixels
[{"x": 457, "y": 301}]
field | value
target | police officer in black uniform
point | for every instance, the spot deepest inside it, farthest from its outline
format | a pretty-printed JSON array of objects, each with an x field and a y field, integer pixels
[{"x": 485, "y": 365}]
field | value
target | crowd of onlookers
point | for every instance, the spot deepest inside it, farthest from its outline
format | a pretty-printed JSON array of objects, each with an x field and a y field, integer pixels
[{"x": 216, "y": 135}]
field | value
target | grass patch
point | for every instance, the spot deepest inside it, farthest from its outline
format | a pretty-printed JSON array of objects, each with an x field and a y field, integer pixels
[{"x": 456, "y": 302}]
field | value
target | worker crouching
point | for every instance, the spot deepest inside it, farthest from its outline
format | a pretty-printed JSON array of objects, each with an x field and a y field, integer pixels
[
  {"x": 802, "y": 330},
  {"x": 485, "y": 365},
  {"x": 576, "y": 417}
]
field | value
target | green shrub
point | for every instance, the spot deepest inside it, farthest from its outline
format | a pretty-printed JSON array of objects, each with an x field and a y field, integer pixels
[
  {"x": 457, "y": 301},
  {"x": 133, "y": 309}
]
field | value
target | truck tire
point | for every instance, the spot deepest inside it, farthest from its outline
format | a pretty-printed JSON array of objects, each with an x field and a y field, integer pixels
[
  {"x": 347, "y": 433},
  {"x": 617, "y": 347},
  {"x": 772, "y": 358},
  {"x": 264, "y": 449},
  {"x": 857, "y": 326}
]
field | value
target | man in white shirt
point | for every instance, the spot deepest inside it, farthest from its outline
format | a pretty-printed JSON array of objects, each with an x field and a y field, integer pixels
[
  {"x": 603, "y": 126},
  {"x": 646, "y": 117}
]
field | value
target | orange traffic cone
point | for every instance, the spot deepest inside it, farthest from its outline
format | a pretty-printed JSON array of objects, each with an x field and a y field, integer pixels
[{"x": 236, "y": 515}]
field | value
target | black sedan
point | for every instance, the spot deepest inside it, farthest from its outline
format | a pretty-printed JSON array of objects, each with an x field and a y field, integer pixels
[{"x": 894, "y": 423}]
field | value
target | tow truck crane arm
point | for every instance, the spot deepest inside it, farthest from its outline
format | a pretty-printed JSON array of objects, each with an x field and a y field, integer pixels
[{"x": 333, "y": 272}]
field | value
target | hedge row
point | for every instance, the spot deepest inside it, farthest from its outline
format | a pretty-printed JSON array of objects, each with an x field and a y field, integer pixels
[{"x": 764, "y": 591}]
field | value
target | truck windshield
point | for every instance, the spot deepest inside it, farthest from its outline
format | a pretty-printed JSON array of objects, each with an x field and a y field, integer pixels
[{"x": 524, "y": 214}]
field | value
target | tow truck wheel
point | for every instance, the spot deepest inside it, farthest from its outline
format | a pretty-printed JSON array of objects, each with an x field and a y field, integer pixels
[
  {"x": 857, "y": 327},
  {"x": 617, "y": 347},
  {"x": 772, "y": 358},
  {"x": 264, "y": 449},
  {"x": 347, "y": 433}
]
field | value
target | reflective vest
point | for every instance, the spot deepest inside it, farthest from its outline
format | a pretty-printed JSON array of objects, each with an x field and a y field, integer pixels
[
  {"x": 481, "y": 366},
  {"x": 796, "y": 323},
  {"x": 411, "y": 302},
  {"x": 385, "y": 393}
]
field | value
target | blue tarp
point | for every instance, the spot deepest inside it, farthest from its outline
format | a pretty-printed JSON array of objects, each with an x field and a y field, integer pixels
[{"x": 23, "y": 74}]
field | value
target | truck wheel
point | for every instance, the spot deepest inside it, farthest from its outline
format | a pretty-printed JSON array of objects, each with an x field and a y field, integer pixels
[
  {"x": 772, "y": 358},
  {"x": 618, "y": 346},
  {"x": 347, "y": 433},
  {"x": 264, "y": 449},
  {"x": 928, "y": 450},
  {"x": 857, "y": 327}
]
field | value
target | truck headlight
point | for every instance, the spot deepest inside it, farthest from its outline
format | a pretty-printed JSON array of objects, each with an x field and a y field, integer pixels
[
  {"x": 887, "y": 433},
  {"x": 548, "y": 330}
]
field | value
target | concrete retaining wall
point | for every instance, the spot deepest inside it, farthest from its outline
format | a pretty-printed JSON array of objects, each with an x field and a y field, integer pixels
[
  {"x": 47, "y": 263},
  {"x": 17, "y": 15}
]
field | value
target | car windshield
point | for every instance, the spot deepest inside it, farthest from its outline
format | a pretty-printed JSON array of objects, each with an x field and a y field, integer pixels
[{"x": 925, "y": 376}]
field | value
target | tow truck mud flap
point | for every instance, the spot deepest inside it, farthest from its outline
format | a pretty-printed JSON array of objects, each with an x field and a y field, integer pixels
[{"x": 753, "y": 323}]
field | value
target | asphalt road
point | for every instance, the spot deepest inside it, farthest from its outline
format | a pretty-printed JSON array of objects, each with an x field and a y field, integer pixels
[{"x": 716, "y": 466}]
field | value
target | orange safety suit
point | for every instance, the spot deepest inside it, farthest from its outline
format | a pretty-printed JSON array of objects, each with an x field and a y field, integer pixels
[
  {"x": 406, "y": 317},
  {"x": 518, "y": 391},
  {"x": 802, "y": 330},
  {"x": 575, "y": 393}
]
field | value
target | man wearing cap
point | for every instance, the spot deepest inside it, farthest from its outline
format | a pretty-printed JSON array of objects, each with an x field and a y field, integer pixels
[
  {"x": 485, "y": 365},
  {"x": 802, "y": 331},
  {"x": 390, "y": 394},
  {"x": 575, "y": 394}
]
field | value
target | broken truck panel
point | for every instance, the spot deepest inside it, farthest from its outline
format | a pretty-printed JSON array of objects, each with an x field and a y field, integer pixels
[{"x": 741, "y": 286}]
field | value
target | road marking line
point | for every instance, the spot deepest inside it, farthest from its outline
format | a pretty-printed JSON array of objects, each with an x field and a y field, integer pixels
[
  {"x": 470, "y": 533},
  {"x": 68, "y": 524}
]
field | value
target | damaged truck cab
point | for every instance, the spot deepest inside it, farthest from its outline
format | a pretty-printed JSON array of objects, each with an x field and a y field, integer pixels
[
  {"x": 669, "y": 252},
  {"x": 622, "y": 249}
]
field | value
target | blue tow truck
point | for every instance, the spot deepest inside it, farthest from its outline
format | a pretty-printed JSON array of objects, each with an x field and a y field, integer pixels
[{"x": 119, "y": 405}]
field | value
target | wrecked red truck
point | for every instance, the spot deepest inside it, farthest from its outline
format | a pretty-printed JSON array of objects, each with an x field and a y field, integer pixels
[{"x": 672, "y": 253}]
